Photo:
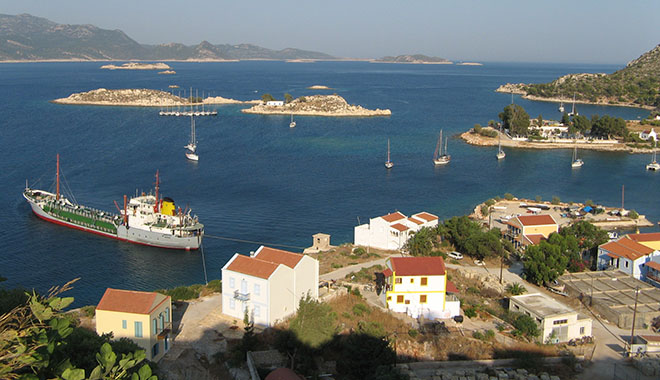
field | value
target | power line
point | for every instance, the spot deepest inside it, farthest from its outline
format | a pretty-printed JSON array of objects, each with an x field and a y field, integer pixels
[{"x": 251, "y": 241}]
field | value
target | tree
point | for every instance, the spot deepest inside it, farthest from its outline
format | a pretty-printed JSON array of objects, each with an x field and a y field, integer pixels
[
  {"x": 267, "y": 98},
  {"x": 607, "y": 126},
  {"x": 420, "y": 243},
  {"x": 516, "y": 289},
  {"x": 587, "y": 236},
  {"x": 582, "y": 124},
  {"x": 288, "y": 98},
  {"x": 544, "y": 262},
  {"x": 526, "y": 326},
  {"x": 565, "y": 119},
  {"x": 515, "y": 119},
  {"x": 314, "y": 323},
  {"x": 539, "y": 121},
  {"x": 555, "y": 200}
]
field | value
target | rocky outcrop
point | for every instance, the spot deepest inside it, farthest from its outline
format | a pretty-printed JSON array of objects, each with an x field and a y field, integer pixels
[
  {"x": 221, "y": 100},
  {"x": 138, "y": 66},
  {"x": 318, "y": 87},
  {"x": 124, "y": 97},
  {"x": 317, "y": 105},
  {"x": 167, "y": 72}
]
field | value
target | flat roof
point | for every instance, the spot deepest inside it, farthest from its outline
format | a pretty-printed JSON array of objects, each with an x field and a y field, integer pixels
[{"x": 542, "y": 305}]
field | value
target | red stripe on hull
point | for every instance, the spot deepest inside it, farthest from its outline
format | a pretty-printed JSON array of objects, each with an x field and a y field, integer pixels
[{"x": 58, "y": 222}]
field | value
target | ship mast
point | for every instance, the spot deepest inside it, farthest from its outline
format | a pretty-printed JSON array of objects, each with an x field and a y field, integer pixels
[
  {"x": 157, "y": 207},
  {"x": 57, "y": 191}
]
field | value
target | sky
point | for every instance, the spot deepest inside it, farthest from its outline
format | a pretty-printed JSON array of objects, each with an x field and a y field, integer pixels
[{"x": 572, "y": 31}]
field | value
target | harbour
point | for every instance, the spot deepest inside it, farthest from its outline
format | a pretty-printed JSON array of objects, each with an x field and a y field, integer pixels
[{"x": 261, "y": 180}]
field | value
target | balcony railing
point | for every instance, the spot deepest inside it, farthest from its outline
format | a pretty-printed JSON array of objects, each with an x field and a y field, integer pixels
[
  {"x": 166, "y": 329},
  {"x": 241, "y": 296},
  {"x": 653, "y": 277}
]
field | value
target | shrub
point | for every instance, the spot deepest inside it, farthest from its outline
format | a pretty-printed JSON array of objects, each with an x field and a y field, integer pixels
[
  {"x": 470, "y": 312},
  {"x": 413, "y": 333},
  {"x": 88, "y": 310},
  {"x": 374, "y": 329},
  {"x": 346, "y": 315},
  {"x": 508, "y": 196},
  {"x": 490, "y": 202},
  {"x": 477, "y": 128},
  {"x": 182, "y": 293},
  {"x": 359, "y": 251},
  {"x": 478, "y": 335},
  {"x": 336, "y": 266},
  {"x": 215, "y": 286},
  {"x": 556, "y": 200},
  {"x": 526, "y": 326},
  {"x": 633, "y": 214},
  {"x": 538, "y": 198},
  {"x": 484, "y": 210},
  {"x": 360, "y": 309},
  {"x": 589, "y": 202},
  {"x": 489, "y": 334},
  {"x": 356, "y": 292},
  {"x": 516, "y": 289}
]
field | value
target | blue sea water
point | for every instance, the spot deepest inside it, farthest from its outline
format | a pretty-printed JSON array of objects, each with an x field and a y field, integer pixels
[{"x": 258, "y": 179}]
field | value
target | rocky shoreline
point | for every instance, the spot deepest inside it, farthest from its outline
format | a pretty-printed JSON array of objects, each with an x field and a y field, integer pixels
[
  {"x": 317, "y": 105},
  {"x": 139, "y": 98},
  {"x": 519, "y": 89},
  {"x": 475, "y": 139},
  {"x": 137, "y": 66}
]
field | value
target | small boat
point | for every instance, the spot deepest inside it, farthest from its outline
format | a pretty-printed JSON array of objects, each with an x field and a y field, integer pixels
[
  {"x": 500, "y": 153},
  {"x": 561, "y": 105},
  {"x": 441, "y": 157},
  {"x": 573, "y": 111},
  {"x": 192, "y": 145},
  {"x": 292, "y": 124},
  {"x": 388, "y": 164},
  {"x": 654, "y": 165},
  {"x": 577, "y": 162}
]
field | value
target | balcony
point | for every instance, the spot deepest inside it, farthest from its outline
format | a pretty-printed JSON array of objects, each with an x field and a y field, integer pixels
[
  {"x": 241, "y": 296},
  {"x": 163, "y": 332}
]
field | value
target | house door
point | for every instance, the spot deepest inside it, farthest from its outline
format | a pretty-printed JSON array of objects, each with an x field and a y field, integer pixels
[{"x": 243, "y": 286}]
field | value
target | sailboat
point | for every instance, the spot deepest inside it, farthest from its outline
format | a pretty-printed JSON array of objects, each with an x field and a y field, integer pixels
[
  {"x": 573, "y": 111},
  {"x": 192, "y": 145},
  {"x": 654, "y": 165},
  {"x": 561, "y": 104},
  {"x": 292, "y": 124},
  {"x": 388, "y": 164},
  {"x": 441, "y": 157},
  {"x": 500, "y": 152},
  {"x": 577, "y": 162}
]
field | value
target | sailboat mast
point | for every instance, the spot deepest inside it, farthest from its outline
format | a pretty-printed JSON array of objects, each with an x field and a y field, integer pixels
[
  {"x": 437, "y": 146},
  {"x": 446, "y": 139},
  {"x": 388, "y": 150},
  {"x": 157, "y": 207},
  {"x": 57, "y": 187}
]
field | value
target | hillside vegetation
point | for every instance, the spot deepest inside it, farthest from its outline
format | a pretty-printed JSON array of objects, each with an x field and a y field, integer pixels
[{"x": 637, "y": 84}]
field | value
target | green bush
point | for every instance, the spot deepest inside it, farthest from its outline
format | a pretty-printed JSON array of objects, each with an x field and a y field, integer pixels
[
  {"x": 489, "y": 334},
  {"x": 359, "y": 251},
  {"x": 374, "y": 329},
  {"x": 88, "y": 310},
  {"x": 516, "y": 289},
  {"x": 508, "y": 196},
  {"x": 526, "y": 326},
  {"x": 182, "y": 293},
  {"x": 336, "y": 266},
  {"x": 215, "y": 286},
  {"x": 538, "y": 198},
  {"x": 555, "y": 200},
  {"x": 633, "y": 214},
  {"x": 470, "y": 312},
  {"x": 478, "y": 335},
  {"x": 489, "y": 202},
  {"x": 346, "y": 315},
  {"x": 413, "y": 333}
]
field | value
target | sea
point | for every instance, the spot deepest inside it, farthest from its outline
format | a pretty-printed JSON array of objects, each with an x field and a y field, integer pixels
[{"x": 259, "y": 181}]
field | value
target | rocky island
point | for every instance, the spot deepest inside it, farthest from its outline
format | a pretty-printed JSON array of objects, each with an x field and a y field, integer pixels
[
  {"x": 137, "y": 98},
  {"x": 318, "y": 87},
  {"x": 415, "y": 58},
  {"x": 138, "y": 66},
  {"x": 317, "y": 105}
]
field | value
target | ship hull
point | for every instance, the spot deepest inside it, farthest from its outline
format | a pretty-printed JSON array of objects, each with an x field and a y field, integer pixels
[{"x": 130, "y": 235}]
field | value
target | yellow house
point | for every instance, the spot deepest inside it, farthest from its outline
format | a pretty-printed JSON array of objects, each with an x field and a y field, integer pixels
[
  {"x": 525, "y": 230},
  {"x": 651, "y": 240},
  {"x": 143, "y": 317}
]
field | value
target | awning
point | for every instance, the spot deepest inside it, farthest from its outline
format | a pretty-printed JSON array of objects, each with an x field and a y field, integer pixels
[
  {"x": 387, "y": 272},
  {"x": 451, "y": 288}
]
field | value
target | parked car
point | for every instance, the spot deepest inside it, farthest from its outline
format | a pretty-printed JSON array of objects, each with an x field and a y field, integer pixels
[{"x": 455, "y": 255}]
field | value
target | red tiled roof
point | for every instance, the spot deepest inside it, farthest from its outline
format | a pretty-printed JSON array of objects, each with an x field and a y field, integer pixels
[
  {"x": 651, "y": 236},
  {"x": 387, "y": 272},
  {"x": 536, "y": 220},
  {"x": 534, "y": 238},
  {"x": 651, "y": 338},
  {"x": 393, "y": 217},
  {"x": 283, "y": 374},
  {"x": 416, "y": 221},
  {"x": 426, "y": 216},
  {"x": 278, "y": 256},
  {"x": 653, "y": 264},
  {"x": 417, "y": 266},
  {"x": 627, "y": 248},
  {"x": 451, "y": 288},
  {"x": 252, "y": 266},
  {"x": 130, "y": 301},
  {"x": 399, "y": 227}
]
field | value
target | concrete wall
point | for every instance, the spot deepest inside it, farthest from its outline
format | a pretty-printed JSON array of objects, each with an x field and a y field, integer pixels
[
  {"x": 281, "y": 294},
  {"x": 306, "y": 278}
]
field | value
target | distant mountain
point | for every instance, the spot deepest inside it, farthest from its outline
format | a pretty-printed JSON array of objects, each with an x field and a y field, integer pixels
[
  {"x": 415, "y": 58},
  {"x": 637, "y": 84},
  {"x": 26, "y": 37}
]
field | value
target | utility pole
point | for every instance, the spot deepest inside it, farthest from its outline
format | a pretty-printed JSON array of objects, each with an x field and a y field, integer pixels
[{"x": 632, "y": 332}]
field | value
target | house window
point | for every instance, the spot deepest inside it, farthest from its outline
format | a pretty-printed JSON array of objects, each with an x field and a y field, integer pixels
[
  {"x": 232, "y": 283},
  {"x": 167, "y": 315},
  {"x": 154, "y": 326},
  {"x": 232, "y": 303},
  {"x": 257, "y": 289},
  {"x": 138, "y": 329},
  {"x": 626, "y": 263},
  {"x": 582, "y": 330},
  {"x": 399, "y": 299},
  {"x": 412, "y": 280},
  {"x": 389, "y": 298},
  {"x": 407, "y": 302},
  {"x": 422, "y": 298},
  {"x": 154, "y": 350},
  {"x": 256, "y": 311},
  {"x": 398, "y": 280},
  {"x": 167, "y": 342},
  {"x": 560, "y": 322},
  {"x": 123, "y": 324},
  {"x": 424, "y": 281}
]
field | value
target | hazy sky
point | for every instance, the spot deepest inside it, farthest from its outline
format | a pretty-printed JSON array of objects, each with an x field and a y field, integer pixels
[{"x": 591, "y": 31}]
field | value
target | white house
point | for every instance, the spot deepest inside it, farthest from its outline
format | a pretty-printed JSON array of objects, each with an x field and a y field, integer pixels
[
  {"x": 418, "y": 286},
  {"x": 391, "y": 231},
  {"x": 558, "y": 323},
  {"x": 276, "y": 103},
  {"x": 648, "y": 135},
  {"x": 627, "y": 255},
  {"x": 268, "y": 284}
]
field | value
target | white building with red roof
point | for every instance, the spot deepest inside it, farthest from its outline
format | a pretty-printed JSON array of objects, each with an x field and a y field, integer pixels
[
  {"x": 418, "y": 286},
  {"x": 143, "y": 317},
  {"x": 268, "y": 284},
  {"x": 391, "y": 231},
  {"x": 632, "y": 254},
  {"x": 526, "y": 230}
]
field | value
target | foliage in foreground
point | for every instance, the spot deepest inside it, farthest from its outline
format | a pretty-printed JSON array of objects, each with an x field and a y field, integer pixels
[{"x": 33, "y": 336}]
